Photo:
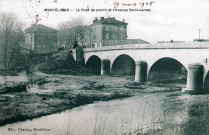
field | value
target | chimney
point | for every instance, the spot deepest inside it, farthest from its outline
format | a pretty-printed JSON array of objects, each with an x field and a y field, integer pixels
[
  {"x": 123, "y": 20},
  {"x": 96, "y": 20},
  {"x": 101, "y": 18}
]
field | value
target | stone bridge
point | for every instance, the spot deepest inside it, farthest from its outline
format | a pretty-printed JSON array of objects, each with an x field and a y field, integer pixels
[{"x": 146, "y": 59}]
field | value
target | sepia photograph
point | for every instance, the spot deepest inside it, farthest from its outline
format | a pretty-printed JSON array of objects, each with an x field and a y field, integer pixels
[{"x": 104, "y": 67}]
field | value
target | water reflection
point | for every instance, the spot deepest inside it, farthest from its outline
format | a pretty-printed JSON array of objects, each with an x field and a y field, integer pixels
[{"x": 114, "y": 117}]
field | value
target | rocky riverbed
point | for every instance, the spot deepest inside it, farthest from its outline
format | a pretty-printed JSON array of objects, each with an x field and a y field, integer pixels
[
  {"x": 181, "y": 113},
  {"x": 60, "y": 92}
]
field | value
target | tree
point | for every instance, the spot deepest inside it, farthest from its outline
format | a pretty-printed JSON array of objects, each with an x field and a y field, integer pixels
[
  {"x": 71, "y": 31},
  {"x": 11, "y": 36}
]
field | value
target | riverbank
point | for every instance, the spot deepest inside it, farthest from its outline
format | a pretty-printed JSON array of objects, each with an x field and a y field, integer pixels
[{"x": 61, "y": 92}]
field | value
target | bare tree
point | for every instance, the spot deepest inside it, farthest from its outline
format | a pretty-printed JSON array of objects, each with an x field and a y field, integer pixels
[
  {"x": 11, "y": 35},
  {"x": 70, "y": 31}
]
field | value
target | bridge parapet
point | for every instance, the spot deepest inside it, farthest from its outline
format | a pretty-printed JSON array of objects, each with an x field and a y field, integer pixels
[
  {"x": 121, "y": 59},
  {"x": 185, "y": 45}
]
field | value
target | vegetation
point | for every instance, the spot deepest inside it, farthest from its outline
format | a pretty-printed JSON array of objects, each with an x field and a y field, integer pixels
[
  {"x": 11, "y": 38},
  {"x": 71, "y": 31}
]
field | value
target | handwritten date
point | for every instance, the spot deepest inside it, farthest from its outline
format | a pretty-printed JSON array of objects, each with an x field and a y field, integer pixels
[{"x": 141, "y": 4}]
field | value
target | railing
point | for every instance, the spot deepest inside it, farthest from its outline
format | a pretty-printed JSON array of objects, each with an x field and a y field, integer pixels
[{"x": 185, "y": 45}]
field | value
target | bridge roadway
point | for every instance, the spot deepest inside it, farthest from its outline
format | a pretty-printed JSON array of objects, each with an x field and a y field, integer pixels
[{"x": 194, "y": 56}]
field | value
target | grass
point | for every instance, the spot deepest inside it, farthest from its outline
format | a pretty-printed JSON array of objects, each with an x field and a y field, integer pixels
[{"x": 193, "y": 109}]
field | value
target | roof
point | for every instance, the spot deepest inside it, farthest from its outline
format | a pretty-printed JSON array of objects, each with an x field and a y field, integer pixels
[
  {"x": 112, "y": 21},
  {"x": 123, "y": 42},
  {"x": 109, "y": 21},
  {"x": 39, "y": 27},
  {"x": 201, "y": 40},
  {"x": 138, "y": 41}
]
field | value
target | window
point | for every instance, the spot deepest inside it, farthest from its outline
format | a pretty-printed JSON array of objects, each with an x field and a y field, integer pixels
[
  {"x": 31, "y": 38},
  {"x": 107, "y": 36},
  {"x": 31, "y": 46},
  {"x": 121, "y": 36},
  {"x": 107, "y": 28},
  {"x": 94, "y": 36}
]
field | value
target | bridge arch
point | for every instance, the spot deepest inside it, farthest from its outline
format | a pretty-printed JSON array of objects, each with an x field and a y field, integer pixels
[
  {"x": 93, "y": 64},
  {"x": 123, "y": 65},
  {"x": 206, "y": 82},
  {"x": 167, "y": 69}
]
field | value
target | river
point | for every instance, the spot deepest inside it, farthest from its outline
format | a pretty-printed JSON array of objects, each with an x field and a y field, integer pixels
[
  {"x": 146, "y": 113},
  {"x": 130, "y": 115}
]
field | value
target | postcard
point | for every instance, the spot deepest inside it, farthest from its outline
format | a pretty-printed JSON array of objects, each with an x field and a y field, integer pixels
[{"x": 104, "y": 67}]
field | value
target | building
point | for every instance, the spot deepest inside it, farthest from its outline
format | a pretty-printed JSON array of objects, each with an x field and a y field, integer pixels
[
  {"x": 40, "y": 39},
  {"x": 106, "y": 32},
  {"x": 201, "y": 40}
]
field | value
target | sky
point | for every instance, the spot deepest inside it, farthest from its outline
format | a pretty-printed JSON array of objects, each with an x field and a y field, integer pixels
[{"x": 179, "y": 20}]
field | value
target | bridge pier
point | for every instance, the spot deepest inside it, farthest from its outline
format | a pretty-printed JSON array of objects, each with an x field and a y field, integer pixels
[
  {"x": 194, "y": 79},
  {"x": 105, "y": 67},
  {"x": 141, "y": 71}
]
